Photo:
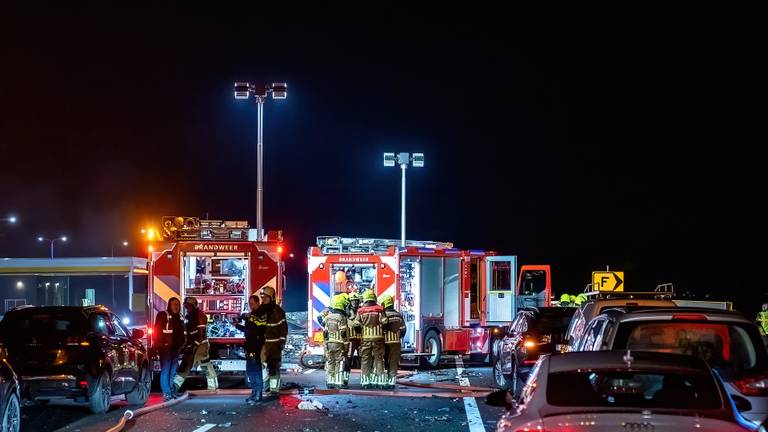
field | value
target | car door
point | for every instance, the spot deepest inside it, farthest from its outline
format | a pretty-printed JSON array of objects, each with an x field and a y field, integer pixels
[
  {"x": 110, "y": 347},
  {"x": 129, "y": 372}
]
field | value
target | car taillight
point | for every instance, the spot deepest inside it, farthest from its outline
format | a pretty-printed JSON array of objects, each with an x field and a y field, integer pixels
[
  {"x": 753, "y": 386},
  {"x": 149, "y": 331},
  {"x": 529, "y": 344},
  {"x": 83, "y": 384},
  {"x": 690, "y": 317}
]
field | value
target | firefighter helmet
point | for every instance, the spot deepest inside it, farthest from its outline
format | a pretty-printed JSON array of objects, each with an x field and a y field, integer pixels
[
  {"x": 368, "y": 295},
  {"x": 268, "y": 290},
  {"x": 354, "y": 295},
  {"x": 387, "y": 301},
  {"x": 340, "y": 301},
  {"x": 340, "y": 277},
  {"x": 191, "y": 300}
]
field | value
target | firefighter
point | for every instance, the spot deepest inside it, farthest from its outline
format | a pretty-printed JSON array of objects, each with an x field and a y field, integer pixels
[
  {"x": 355, "y": 335},
  {"x": 371, "y": 317},
  {"x": 394, "y": 331},
  {"x": 169, "y": 339},
  {"x": 762, "y": 320},
  {"x": 196, "y": 349},
  {"x": 336, "y": 338},
  {"x": 275, "y": 334},
  {"x": 253, "y": 328}
]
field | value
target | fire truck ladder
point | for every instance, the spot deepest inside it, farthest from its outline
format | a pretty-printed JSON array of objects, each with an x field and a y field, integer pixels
[{"x": 355, "y": 245}]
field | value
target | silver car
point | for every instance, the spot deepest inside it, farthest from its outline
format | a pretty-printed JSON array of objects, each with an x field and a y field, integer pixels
[
  {"x": 728, "y": 341},
  {"x": 622, "y": 391}
]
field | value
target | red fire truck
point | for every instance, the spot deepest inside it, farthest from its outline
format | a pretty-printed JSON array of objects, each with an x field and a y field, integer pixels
[
  {"x": 220, "y": 263},
  {"x": 453, "y": 301}
]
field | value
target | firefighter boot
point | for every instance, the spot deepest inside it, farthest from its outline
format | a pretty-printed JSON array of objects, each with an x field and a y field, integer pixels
[
  {"x": 330, "y": 380},
  {"x": 178, "y": 381},
  {"x": 365, "y": 381},
  {"x": 345, "y": 380},
  {"x": 274, "y": 385}
]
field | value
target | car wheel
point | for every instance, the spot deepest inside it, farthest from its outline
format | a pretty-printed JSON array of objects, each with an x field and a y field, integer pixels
[
  {"x": 502, "y": 380},
  {"x": 12, "y": 415},
  {"x": 99, "y": 394},
  {"x": 140, "y": 393},
  {"x": 432, "y": 345}
]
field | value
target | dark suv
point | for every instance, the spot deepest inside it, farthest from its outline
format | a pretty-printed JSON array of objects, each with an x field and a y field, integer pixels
[
  {"x": 534, "y": 331},
  {"x": 80, "y": 353}
]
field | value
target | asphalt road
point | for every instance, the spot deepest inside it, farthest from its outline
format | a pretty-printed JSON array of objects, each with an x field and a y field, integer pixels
[{"x": 339, "y": 413}]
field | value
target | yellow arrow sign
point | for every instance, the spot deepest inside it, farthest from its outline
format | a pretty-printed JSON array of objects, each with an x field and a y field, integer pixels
[{"x": 608, "y": 281}]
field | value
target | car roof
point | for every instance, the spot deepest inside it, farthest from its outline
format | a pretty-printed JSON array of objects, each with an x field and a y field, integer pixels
[
  {"x": 616, "y": 360},
  {"x": 667, "y": 314},
  {"x": 37, "y": 309}
]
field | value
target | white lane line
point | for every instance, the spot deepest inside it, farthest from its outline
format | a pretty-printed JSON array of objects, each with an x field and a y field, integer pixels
[
  {"x": 309, "y": 371},
  {"x": 206, "y": 427},
  {"x": 474, "y": 420}
]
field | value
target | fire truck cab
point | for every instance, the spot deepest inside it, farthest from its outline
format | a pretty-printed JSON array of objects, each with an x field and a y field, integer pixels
[
  {"x": 453, "y": 301},
  {"x": 220, "y": 263}
]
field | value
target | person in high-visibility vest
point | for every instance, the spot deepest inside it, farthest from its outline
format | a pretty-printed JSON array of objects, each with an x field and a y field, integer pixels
[
  {"x": 762, "y": 320},
  {"x": 394, "y": 331},
  {"x": 371, "y": 317},
  {"x": 335, "y": 337}
]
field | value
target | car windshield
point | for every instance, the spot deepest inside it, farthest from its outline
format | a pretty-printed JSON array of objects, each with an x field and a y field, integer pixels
[
  {"x": 729, "y": 347},
  {"x": 549, "y": 323},
  {"x": 43, "y": 328},
  {"x": 624, "y": 389}
]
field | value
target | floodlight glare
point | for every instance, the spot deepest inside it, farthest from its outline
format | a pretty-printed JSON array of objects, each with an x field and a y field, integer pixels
[
  {"x": 279, "y": 90},
  {"x": 64, "y": 239},
  {"x": 389, "y": 159},
  {"x": 418, "y": 160},
  {"x": 39, "y": 239},
  {"x": 242, "y": 90}
]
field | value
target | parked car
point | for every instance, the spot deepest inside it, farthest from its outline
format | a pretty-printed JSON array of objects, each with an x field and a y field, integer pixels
[
  {"x": 595, "y": 307},
  {"x": 533, "y": 332},
  {"x": 729, "y": 341},
  {"x": 622, "y": 391},
  {"x": 10, "y": 415},
  {"x": 80, "y": 353}
]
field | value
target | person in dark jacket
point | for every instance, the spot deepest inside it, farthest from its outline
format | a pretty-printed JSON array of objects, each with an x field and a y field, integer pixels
[
  {"x": 196, "y": 350},
  {"x": 254, "y": 342},
  {"x": 275, "y": 335},
  {"x": 169, "y": 339}
]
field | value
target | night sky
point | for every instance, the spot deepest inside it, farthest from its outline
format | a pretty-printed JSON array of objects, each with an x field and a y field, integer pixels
[{"x": 581, "y": 137}]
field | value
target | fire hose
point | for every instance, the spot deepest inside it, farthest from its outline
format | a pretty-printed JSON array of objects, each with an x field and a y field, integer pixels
[{"x": 444, "y": 390}]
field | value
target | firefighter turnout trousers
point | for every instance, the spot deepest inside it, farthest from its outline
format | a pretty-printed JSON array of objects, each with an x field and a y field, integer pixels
[
  {"x": 372, "y": 371},
  {"x": 193, "y": 356},
  {"x": 335, "y": 353},
  {"x": 392, "y": 359},
  {"x": 271, "y": 355}
]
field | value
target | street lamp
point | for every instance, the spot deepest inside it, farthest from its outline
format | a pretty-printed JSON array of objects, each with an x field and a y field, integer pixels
[
  {"x": 9, "y": 219},
  {"x": 403, "y": 159},
  {"x": 244, "y": 90},
  {"x": 52, "y": 241}
]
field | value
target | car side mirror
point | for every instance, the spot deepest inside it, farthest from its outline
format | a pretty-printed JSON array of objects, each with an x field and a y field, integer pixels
[
  {"x": 137, "y": 333},
  {"x": 742, "y": 404}
]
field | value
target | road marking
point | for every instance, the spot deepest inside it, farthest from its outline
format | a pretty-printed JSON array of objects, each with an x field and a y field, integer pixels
[
  {"x": 474, "y": 420},
  {"x": 309, "y": 371},
  {"x": 206, "y": 427}
]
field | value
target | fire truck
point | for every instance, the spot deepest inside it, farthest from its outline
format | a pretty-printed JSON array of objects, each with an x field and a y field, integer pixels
[
  {"x": 220, "y": 263},
  {"x": 454, "y": 301}
]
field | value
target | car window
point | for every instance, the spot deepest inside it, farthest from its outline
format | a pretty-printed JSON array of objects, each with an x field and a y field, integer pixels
[
  {"x": 513, "y": 328},
  {"x": 101, "y": 324},
  {"x": 118, "y": 326},
  {"x": 44, "y": 327},
  {"x": 727, "y": 346},
  {"x": 633, "y": 389},
  {"x": 591, "y": 335}
]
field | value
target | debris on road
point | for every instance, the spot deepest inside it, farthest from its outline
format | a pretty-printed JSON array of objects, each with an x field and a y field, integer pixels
[{"x": 203, "y": 412}]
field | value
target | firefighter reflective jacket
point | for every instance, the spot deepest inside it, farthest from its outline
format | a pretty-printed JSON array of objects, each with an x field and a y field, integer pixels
[
  {"x": 371, "y": 317},
  {"x": 276, "y": 330},
  {"x": 335, "y": 326},
  {"x": 169, "y": 331},
  {"x": 355, "y": 329},
  {"x": 197, "y": 327},
  {"x": 394, "y": 329}
]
